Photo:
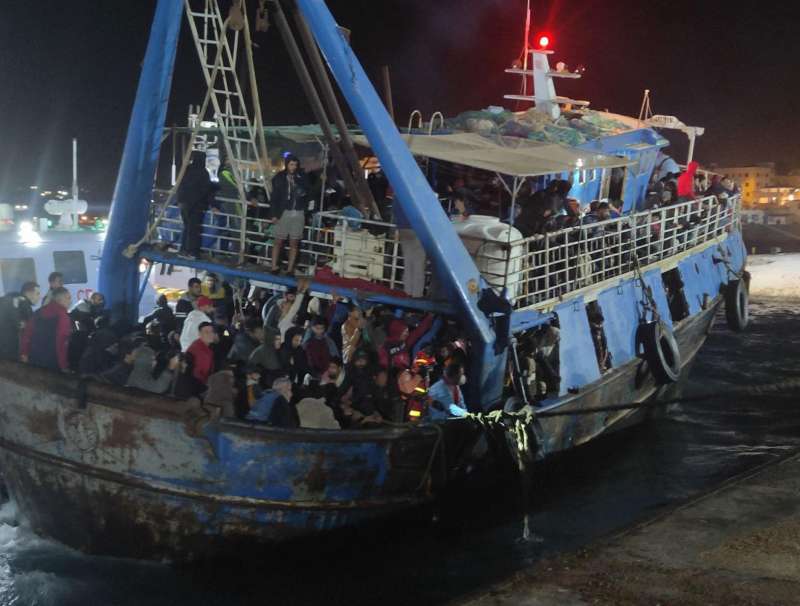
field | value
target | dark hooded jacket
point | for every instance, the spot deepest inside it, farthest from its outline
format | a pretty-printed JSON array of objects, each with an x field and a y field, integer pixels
[
  {"x": 293, "y": 359},
  {"x": 196, "y": 189},
  {"x": 289, "y": 192}
]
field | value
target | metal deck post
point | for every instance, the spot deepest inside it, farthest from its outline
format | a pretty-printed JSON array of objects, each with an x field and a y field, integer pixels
[{"x": 130, "y": 206}]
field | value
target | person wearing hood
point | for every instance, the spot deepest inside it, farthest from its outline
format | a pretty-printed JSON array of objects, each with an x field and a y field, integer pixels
[
  {"x": 141, "y": 376},
  {"x": 191, "y": 326},
  {"x": 247, "y": 341},
  {"x": 266, "y": 357},
  {"x": 320, "y": 348},
  {"x": 45, "y": 339},
  {"x": 538, "y": 212},
  {"x": 275, "y": 406},
  {"x": 358, "y": 376},
  {"x": 686, "y": 182},
  {"x": 396, "y": 350},
  {"x": 195, "y": 195},
  {"x": 222, "y": 392},
  {"x": 446, "y": 398},
  {"x": 187, "y": 302},
  {"x": 163, "y": 314},
  {"x": 290, "y": 193},
  {"x": 16, "y": 309},
  {"x": 292, "y": 355}
]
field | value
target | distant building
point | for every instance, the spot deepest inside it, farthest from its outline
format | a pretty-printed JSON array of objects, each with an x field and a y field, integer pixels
[
  {"x": 777, "y": 195},
  {"x": 759, "y": 216},
  {"x": 750, "y": 179}
]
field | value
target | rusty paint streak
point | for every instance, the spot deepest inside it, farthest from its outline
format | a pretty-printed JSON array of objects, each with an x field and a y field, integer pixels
[{"x": 43, "y": 424}]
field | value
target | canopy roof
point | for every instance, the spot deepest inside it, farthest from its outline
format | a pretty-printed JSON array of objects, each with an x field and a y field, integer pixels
[{"x": 511, "y": 156}]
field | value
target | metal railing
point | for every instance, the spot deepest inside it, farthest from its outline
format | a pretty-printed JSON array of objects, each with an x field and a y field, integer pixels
[
  {"x": 351, "y": 247},
  {"x": 536, "y": 271},
  {"x": 542, "y": 269}
]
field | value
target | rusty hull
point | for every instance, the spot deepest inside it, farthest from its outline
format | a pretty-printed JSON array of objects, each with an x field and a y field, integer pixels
[{"x": 125, "y": 473}]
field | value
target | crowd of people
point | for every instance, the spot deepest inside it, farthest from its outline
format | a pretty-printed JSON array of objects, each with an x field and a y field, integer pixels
[{"x": 288, "y": 360}]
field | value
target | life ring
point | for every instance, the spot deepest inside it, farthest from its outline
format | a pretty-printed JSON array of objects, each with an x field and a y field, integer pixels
[
  {"x": 737, "y": 304},
  {"x": 660, "y": 351}
]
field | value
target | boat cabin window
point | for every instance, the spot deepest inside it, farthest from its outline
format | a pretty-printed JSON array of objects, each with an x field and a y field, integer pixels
[
  {"x": 72, "y": 264},
  {"x": 16, "y": 272}
]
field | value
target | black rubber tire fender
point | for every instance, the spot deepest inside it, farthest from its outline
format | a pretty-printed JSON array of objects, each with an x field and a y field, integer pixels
[
  {"x": 737, "y": 304},
  {"x": 660, "y": 351}
]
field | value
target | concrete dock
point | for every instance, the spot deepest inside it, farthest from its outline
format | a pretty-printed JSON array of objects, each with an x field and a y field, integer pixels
[{"x": 739, "y": 544}]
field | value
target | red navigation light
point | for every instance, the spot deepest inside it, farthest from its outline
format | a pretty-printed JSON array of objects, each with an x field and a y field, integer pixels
[{"x": 544, "y": 41}]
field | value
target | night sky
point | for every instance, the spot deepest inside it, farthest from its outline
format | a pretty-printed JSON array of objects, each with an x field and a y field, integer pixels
[{"x": 70, "y": 69}]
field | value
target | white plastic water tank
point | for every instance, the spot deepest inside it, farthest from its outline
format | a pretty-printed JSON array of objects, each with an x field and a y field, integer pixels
[{"x": 486, "y": 239}]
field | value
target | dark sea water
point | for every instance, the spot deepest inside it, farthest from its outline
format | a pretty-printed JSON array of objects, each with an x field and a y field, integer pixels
[{"x": 683, "y": 452}]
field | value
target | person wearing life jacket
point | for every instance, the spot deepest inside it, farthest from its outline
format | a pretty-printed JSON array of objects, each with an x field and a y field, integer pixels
[
  {"x": 446, "y": 398},
  {"x": 275, "y": 406},
  {"x": 396, "y": 350},
  {"x": 45, "y": 339},
  {"x": 16, "y": 309}
]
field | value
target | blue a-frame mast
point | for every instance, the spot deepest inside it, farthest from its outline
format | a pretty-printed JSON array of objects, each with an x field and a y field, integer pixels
[
  {"x": 453, "y": 266},
  {"x": 130, "y": 206}
]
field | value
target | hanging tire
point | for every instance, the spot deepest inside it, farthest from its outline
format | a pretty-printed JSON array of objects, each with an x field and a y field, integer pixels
[
  {"x": 660, "y": 351},
  {"x": 737, "y": 304}
]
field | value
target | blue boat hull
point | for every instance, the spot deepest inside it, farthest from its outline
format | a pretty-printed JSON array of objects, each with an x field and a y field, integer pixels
[{"x": 123, "y": 473}]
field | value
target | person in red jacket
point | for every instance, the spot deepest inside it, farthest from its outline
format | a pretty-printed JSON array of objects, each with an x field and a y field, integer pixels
[
  {"x": 686, "y": 182},
  {"x": 202, "y": 354},
  {"x": 396, "y": 350},
  {"x": 45, "y": 338}
]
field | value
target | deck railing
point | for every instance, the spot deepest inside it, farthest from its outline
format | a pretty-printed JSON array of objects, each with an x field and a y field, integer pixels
[
  {"x": 536, "y": 271},
  {"x": 544, "y": 268}
]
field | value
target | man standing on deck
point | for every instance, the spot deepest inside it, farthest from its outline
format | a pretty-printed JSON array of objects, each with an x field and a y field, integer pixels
[
  {"x": 46, "y": 337},
  {"x": 195, "y": 194},
  {"x": 290, "y": 192}
]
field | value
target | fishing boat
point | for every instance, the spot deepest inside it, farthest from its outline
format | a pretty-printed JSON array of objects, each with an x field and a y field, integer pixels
[{"x": 117, "y": 471}]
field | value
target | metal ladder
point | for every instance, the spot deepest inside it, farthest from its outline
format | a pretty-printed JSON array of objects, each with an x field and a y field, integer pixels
[{"x": 219, "y": 47}]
